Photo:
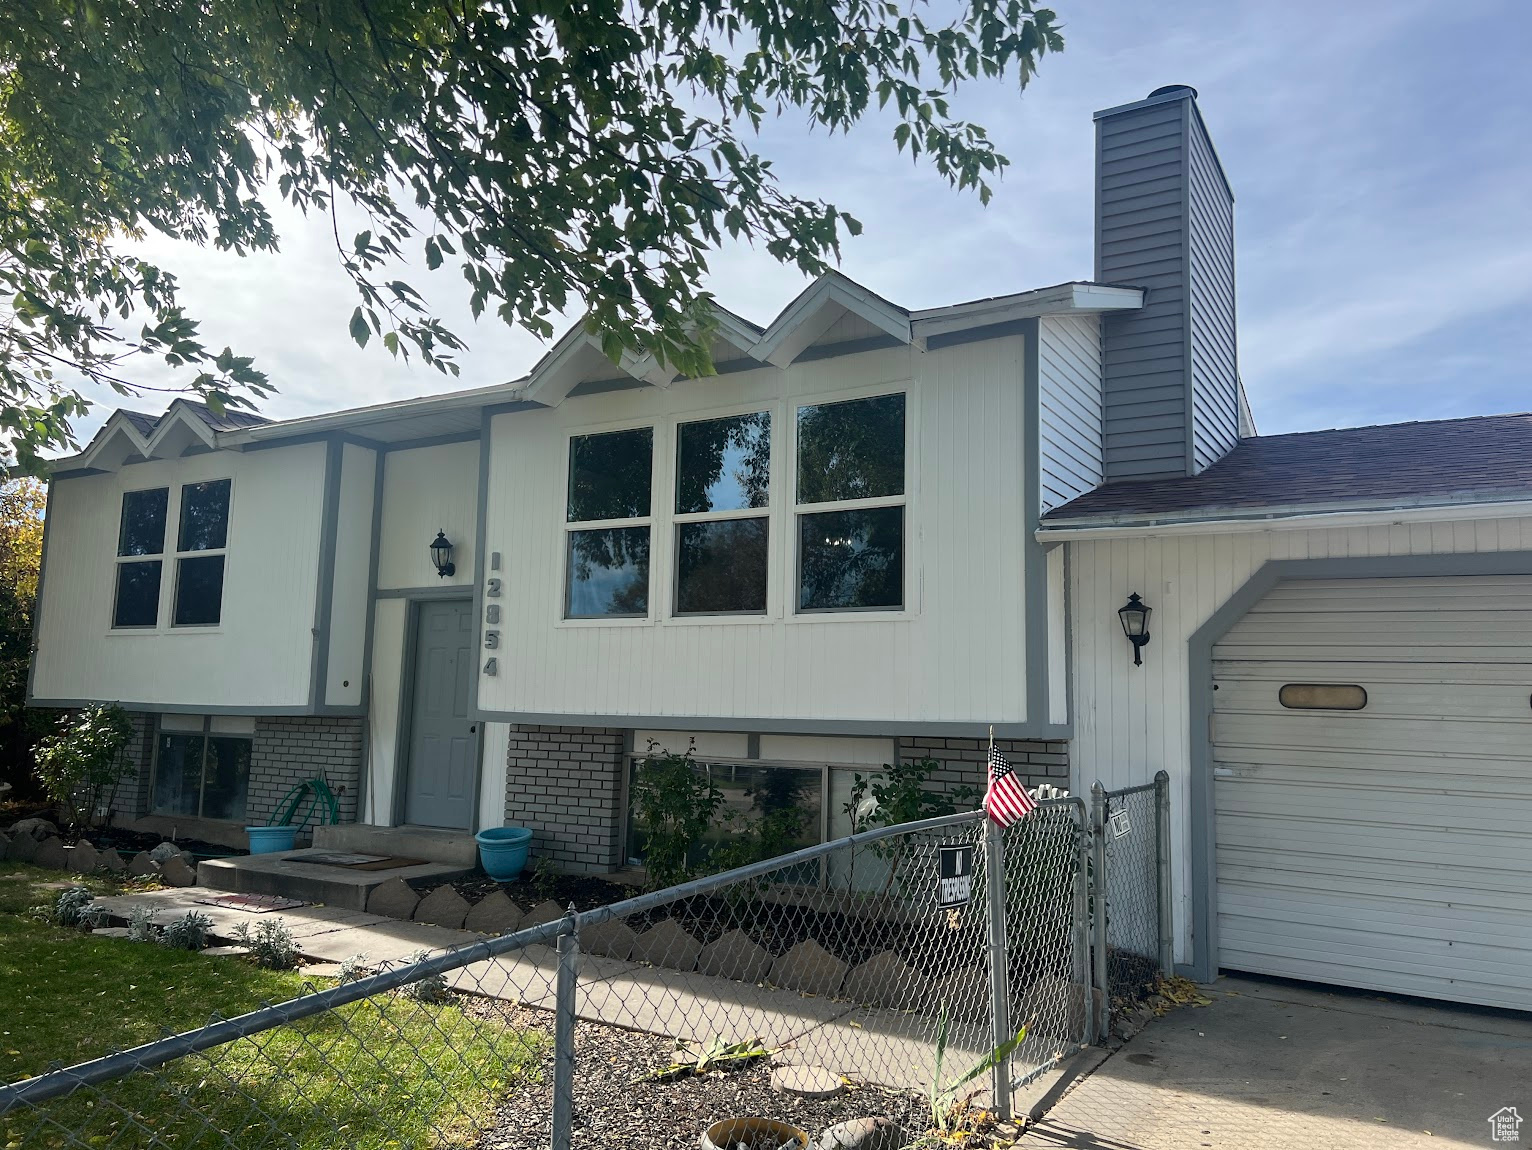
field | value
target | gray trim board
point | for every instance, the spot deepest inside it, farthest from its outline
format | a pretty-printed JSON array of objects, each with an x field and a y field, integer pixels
[
  {"x": 951, "y": 730},
  {"x": 445, "y": 591},
  {"x": 1034, "y": 557},
  {"x": 1202, "y": 805},
  {"x": 979, "y": 334},
  {"x": 480, "y": 562},
  {"x": 297, "y": 710},
  {"x": 37, "y": 603},
  {"x": 324, "y": 588},
  {"x": 493, "y": 409},
  {"x": 847, "y": 347},
  {"x": 430, "y": 441}
]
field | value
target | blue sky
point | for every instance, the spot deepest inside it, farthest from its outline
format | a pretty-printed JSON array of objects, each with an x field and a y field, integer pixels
[{"x": 1381, "y": 157}]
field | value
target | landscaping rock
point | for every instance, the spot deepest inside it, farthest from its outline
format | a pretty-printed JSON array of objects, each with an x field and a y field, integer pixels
[
  {"x": 735, "y": 956},
  {"x": 23, "y": 848},
  {"x": 166, "y": 850},
  {"x": 5, "y": 843},
  {"x": 810, "y": 969},
  {"x": 442, "y": 907},
  {"x": 112, "y": 861},
  {"x": 226, "y": 951},
  {"x": 965, "y": 993},
  {"x": 142, "y": 864},
  {"x": 177, "y": 873},
  {"x": 667, "y": 944},
  {"x": 394, "y": 898},
  {"x": 613, "y": 938},
  {"x": 807, "y": 1081},
  {"x": 52, "y": 854},
  {"x": 545, "y": 911},
  {"x": 109, "y": 932},
  {"x": 39, "y": 829},
  {"x": 886, "y": 980},
  {"x": 83, "y": 858},
  {"x": 863, "y": 1134},
  {"x": 495, "y": 913}
]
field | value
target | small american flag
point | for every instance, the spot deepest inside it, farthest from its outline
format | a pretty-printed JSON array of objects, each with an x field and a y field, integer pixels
[{"x": 1006, "y": 799}]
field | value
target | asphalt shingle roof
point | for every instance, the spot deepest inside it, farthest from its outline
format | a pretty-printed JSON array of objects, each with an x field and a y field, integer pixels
[{"x": 1485, "y": 456}]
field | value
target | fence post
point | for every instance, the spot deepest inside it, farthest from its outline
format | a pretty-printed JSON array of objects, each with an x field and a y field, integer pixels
[
  {"x": 1082, "y": 924},
  {"x": 563, "y": 1034},
  {"x": 999, "y": 967},
  {"x": 1098, "y": 834},
  {"x": 1162, "y": 867}
]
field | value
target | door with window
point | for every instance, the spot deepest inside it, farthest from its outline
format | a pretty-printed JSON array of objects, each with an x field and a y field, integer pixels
[{"x": 442, "y": 764}]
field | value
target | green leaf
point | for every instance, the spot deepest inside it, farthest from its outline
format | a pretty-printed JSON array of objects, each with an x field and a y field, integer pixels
[{"x": 359, "y": 329}]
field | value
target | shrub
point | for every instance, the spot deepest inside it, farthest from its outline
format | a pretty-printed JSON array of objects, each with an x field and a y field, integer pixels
[
  {"x": 83, "y": 760},
  {"x": 70, "y": 907},
  {"x": 189, "y": 932},
  {"x": 432, "y": 988},
  {"x": 270, "y": 944},
  {"x": 675, "y": 804},
  {"x": 141, "y": 924}
]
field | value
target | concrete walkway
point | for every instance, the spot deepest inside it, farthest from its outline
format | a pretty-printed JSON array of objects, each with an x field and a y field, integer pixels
[
  {"x": 1284, "y": 1067},
  {"x": 887, "y": 1047}
]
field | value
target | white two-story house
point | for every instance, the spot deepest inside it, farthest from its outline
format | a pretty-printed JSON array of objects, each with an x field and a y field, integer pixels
[{"x": 873, "y": 535}]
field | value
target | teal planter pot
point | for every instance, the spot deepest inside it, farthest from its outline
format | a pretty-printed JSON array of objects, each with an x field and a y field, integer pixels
[
  {"x": 270, "y": 840},
  {"x": 503, "y": 851}
]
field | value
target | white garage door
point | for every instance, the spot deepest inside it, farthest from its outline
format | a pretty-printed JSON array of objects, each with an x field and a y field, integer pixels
[{"x": 1388, "y": 847}]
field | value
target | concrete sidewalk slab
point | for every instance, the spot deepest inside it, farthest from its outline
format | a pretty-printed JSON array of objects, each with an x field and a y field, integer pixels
[{"x": 1271, "y": 1066}]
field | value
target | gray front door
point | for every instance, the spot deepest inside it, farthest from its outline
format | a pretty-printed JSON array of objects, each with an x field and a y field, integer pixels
[{"x": 442, "y": 767}]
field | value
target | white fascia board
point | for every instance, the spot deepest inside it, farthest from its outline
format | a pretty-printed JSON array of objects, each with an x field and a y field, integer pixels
[
  {"x": 1296, "y": 518},
  {"x": 116, "y": 427},
  {"x": 1063, "y": 299},
  {"x": 817, "y": 308},
  {"x": 178, "y": 415},
  {"x": 340, "y": 420}
]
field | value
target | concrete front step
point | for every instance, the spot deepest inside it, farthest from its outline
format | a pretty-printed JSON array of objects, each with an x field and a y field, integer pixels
[
  {"x": 455, "y": 847},
  {"x": 285, "y": 873}
]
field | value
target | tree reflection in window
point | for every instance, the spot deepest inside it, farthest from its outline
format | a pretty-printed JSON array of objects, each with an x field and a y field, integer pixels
[
  {"x": 609, "y": 475},
  {"x": 721, "y": 566},
  {"x": 724, "y": 464},
  {"x": 608, "y": 572},
  {"x": 851, "y": 559},
  {"x": 204, "y": 516},
  {"x": 851, "y": 450}
]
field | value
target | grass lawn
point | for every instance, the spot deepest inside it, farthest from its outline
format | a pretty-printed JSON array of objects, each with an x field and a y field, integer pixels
[{"x": 388, "y": 1072}]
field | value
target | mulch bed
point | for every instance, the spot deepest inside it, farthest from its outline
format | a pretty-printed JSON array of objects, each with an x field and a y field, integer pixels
[{"x": 616, "y": 1105}]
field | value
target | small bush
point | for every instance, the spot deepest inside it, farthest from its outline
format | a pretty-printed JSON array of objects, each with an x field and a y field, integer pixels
[
  {"x": 270, "y": 944},
  {"x": 82, "y": 762},
  {"x": 189, "y": 932},
  {"x": 69, "y": 909},
  {"x": 354, "y": 968},
  {"x": 432, "y": 988},
  {"x": 141, "y": 925}
]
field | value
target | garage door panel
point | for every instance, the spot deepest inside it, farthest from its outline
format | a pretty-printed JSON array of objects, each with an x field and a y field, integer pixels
[{"x": 1389, "y": 847}]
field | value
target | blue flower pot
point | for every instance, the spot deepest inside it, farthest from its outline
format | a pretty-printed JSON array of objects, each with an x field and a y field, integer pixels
[
  {"x": 270, "y": 840},
  {"x": 503, "y": 851}
]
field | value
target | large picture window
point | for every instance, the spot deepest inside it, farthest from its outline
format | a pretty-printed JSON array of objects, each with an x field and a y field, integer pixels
[
  {"x": 609, "y": 517},
  {"x": 140, "y": 533},
  {"x": 202, "y": 766},
  {"x": 201, "y": 546},
  {"x": 723, "y": 482},
  {"x": 850, "y": 504}
]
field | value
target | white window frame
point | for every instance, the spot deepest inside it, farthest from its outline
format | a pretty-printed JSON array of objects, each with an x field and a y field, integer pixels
[
  {"x": 649, "y": 521},
  {"x": 177, "y": 555},
  {"x": 906, "y": 608},
  {"x": 162, "y": 557},
  {"x": 208, "y": 726}
]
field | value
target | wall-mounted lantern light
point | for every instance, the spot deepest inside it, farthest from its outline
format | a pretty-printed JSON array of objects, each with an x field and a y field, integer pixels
[
  {"x": 441, "y": 555},
  {"x": 1135, "y": 625}
]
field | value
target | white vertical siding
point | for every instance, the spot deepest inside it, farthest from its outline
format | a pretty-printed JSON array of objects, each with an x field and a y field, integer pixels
[
  {"x": 1069, "y": 399},
  {"x": 260, "y": 655},
  {"x": 389, "y": 617},
  {"x": 495, "y": 743},
  {"x": 964, "y": 535},
  {"x": 426, "y": 490},
  {"x": 1133, "y": 721},
  {"x": 1058, "y": 639},
  {"x": 353, "y": 566}
]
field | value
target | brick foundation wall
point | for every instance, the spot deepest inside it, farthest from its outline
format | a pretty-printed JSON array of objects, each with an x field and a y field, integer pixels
[
  {"x": 132, "y": 797},
  {"x": 963, "y": 760},
  {"x": 290, "y": 749},
  {"x": 565, "y": 783}
]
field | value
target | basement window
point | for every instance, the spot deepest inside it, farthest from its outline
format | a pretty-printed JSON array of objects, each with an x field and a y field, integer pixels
[
  {"x": 1322, "y": 697},
  {"x": 202, "y": 766}
]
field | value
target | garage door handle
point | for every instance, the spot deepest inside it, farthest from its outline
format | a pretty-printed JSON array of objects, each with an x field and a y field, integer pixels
[{"x": 1223, "y": 772}]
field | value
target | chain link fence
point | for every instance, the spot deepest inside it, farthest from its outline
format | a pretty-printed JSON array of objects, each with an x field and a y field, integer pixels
[{"x": 884, "y": 975}]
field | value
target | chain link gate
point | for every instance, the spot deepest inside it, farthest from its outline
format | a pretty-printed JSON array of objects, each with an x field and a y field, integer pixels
[{"x": 841, "y": 956}]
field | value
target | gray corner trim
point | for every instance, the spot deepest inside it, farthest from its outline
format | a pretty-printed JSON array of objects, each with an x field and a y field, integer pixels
[
  {"x": 494, "y": 409},
  {"x": 445, "y": 591},
  {"x": 300, "y": 441},
  {"x": 37, "y": 604},
  {"x": 480, "y": 563},
  {"x": 1034, "y": 558},
  {"x": 324, "y": 589},
  {"x": 1069, "y": 646},
  {"x": 1189, "y": 391},
  {"x": 602, "y": 386},
  {"x": 848, "y": 347},
  {"x": 430, "y": 441},
  {"x": 374, "y": 545},
  {"x": 976, "y": 334},
  {"x": 297, "y": 710},
  {"x": 1202, "y": 840},
  {"x": 406, "y": 702},
  {"x": 745, "y": 723}
]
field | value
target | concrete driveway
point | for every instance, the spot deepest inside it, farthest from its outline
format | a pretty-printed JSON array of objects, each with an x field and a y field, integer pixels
[{"x": 1271, "y": 1065}]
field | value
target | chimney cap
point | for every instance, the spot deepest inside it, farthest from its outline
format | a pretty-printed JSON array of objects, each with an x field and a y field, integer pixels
[{"x": 1169, "y": 88}]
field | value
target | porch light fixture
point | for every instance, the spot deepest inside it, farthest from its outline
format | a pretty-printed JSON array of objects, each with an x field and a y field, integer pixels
[
  {"x": 1135, "y": 625},
  {"x": 441, "y": 555}
]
